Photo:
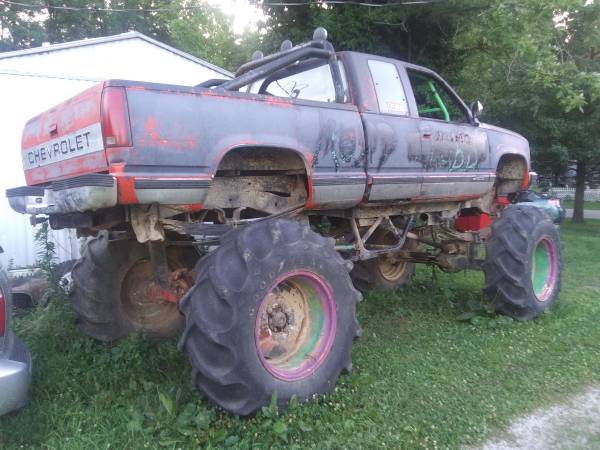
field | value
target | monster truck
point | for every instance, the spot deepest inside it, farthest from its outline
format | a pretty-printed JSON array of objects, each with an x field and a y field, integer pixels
[{"x": 237, "y": 213}]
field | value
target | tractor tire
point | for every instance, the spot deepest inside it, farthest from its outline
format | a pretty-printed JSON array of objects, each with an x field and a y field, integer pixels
[
  {"x": 273, "y": 311},
  {"x": 383, "y": 273},
  {"x": 108, "y": 291},
  {"x": 524, "y": 263}
]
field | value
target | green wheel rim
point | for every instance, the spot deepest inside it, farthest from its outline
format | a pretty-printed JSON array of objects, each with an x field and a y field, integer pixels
[
  {"x": 295, "y": 325},
  {"x": 543, "y": 270}
]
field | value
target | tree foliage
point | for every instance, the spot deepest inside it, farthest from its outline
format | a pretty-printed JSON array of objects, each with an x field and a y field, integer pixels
[
  {"x": 537, "y": 64},
  {"x": 19, "y": 28},
  {"x": 204, "y": 30},
  {"x": 208, "y": 33},
  {"x": 414, "y": 33}
]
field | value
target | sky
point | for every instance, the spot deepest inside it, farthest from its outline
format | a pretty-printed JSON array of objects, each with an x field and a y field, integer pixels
[{"x": 244, "y": 14}]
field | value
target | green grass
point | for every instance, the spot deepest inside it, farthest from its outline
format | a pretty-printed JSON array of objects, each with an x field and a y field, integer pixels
[
  {"x": 421, "y": 379},
  {"x": 570, "y": 204}
]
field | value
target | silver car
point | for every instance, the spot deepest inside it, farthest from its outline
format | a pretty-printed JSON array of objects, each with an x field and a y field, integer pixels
[{"x": 15, "y": 359}]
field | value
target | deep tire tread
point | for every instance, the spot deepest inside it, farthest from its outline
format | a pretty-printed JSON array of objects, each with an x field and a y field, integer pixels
[
  {"x": 508, "y": 265},
  {"x": 97, "y": 279},
  {"x": 242, "y": 256}
]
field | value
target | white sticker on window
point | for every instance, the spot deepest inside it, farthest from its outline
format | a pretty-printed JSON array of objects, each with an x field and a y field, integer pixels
[{"x": 390, "y": 93}]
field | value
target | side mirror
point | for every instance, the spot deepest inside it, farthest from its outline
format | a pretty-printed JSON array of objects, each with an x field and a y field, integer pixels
[
  {"x": 476, "y": 109},
  {"x": 533, "y": 179},
  {"x": 1, "y": 249}
]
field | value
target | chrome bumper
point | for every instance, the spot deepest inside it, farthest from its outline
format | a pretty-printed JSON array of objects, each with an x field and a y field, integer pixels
[
  {"x": 84, "y": 193},
  {"x": 15, "y": 374}
]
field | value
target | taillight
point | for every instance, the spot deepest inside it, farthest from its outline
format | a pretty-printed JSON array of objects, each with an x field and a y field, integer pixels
[
  {"x": 2, "y": 313},
  {"x": 115, "y": 117},
  {"x": 555, "y": 202},
  {"x": 525, "y": 182}
]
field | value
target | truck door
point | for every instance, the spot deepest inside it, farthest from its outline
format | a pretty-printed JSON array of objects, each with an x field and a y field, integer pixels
[
  {"x": 455, "y": 154},
  {"x": 392, "y": 136}
]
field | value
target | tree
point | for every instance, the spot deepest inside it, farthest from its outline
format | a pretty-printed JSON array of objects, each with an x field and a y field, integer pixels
[
  {"x": 192, "y": 25},
  {"x": 537, "y": 64},
  {"x": 414, "y": 33},
  {"x": 69, "y": 25},
  {"x": 207, "y": 32},
  {"x": 151, "y": 23},
  {"x": 19, "y": 28}
]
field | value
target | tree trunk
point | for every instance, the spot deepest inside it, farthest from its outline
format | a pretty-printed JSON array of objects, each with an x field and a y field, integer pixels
[{"x": 579, "y": 192}]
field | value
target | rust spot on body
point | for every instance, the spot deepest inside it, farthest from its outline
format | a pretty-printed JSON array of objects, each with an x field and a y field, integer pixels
[
  {"x": 150, "y": 127},
  {"x": 125, "y": 184}
]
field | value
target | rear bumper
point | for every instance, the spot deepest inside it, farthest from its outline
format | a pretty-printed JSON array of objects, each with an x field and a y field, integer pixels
[
  {"x": 99, "y": 191},
  {"x": 15, "y": 375},
  {"x": 84, "y": 193}
]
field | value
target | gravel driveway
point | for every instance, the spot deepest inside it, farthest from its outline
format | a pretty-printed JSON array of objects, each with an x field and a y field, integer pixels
[{"x": 574, "y": 425}]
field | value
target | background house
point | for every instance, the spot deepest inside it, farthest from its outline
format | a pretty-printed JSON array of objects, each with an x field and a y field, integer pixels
[{"x": 36, "y": 79}]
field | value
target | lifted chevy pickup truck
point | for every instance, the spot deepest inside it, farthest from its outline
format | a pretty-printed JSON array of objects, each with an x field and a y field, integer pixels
[{"x": 243, "y": 210}]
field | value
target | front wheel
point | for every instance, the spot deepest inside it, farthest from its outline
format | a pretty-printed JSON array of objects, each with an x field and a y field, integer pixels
[
  {"x": 273, "y": 310},
  {"x": 524, "y": 263}
]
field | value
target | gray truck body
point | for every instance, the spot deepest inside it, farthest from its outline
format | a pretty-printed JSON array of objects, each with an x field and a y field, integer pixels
[{"x": 181, "y": 140}]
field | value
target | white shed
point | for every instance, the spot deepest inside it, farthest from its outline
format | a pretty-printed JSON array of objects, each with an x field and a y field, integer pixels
[{"x": 34, "y": 80}]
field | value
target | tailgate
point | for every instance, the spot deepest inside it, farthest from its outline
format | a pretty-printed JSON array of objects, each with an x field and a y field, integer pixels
[{"x": 65, "y": 141}]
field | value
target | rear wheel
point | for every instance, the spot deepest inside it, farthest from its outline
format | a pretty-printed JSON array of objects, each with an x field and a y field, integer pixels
[
  {"x": 386, "y": 272},
  {"x": 114, "y": 290},
  {"x": 524, "y": 263},
  {"x": 273, "y": 310}
]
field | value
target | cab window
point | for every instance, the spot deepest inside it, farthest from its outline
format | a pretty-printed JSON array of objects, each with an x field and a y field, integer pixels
[
  {"x": 309, "y": 81},
  {"x": 434, "y": 100},
  {"x": 388, "y": 87}
]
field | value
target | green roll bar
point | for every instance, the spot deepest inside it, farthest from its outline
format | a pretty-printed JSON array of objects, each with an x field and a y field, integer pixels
[{"x": 439, "y": 101}]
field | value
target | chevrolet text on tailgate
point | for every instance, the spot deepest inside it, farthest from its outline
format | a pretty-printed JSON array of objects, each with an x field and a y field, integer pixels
[
  {"x": 242, "y": 215},
  {"x": 81, "y": 142}
]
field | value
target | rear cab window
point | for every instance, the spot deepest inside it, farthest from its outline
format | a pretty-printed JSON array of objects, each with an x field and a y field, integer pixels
[
  {"x": 309, "y": 81},
  {"x": 388, "y": 87}
]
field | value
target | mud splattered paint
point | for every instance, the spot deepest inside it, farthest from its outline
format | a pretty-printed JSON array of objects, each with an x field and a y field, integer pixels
[{"x": 336, "y": 142}]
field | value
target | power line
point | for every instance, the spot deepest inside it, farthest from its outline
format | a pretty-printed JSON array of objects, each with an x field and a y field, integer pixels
[
  {"x": 96, "y": 9},
  {"x": 19, "y": 73},
  {"x": 356, "y": 3},
  {"x": 193, "y": 7}
]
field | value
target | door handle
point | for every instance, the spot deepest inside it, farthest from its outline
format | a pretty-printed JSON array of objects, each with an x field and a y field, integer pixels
[{"x": 426, "y": 131}]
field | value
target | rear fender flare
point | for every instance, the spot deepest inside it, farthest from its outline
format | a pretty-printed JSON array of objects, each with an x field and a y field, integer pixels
[{"x": 304, "y": 155}]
